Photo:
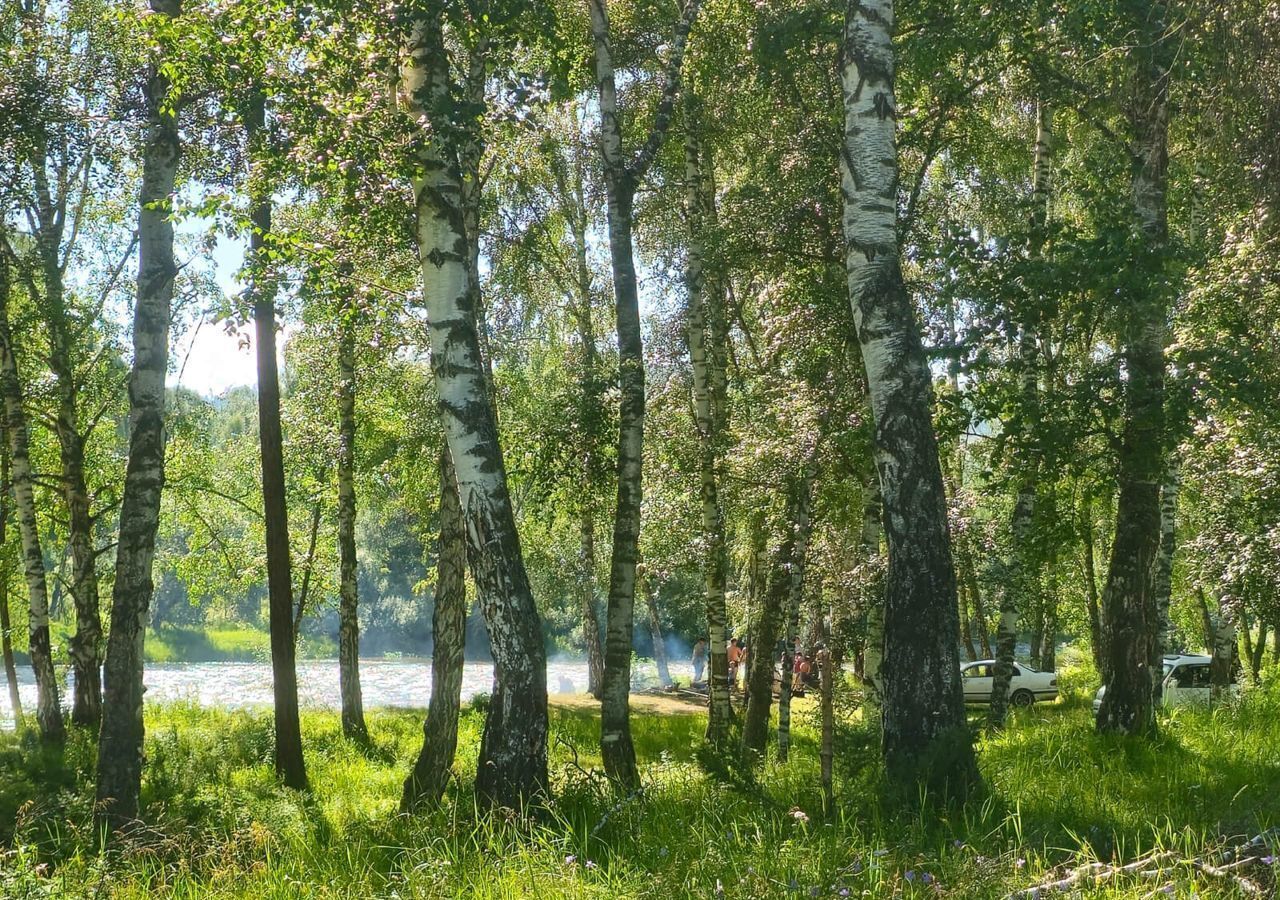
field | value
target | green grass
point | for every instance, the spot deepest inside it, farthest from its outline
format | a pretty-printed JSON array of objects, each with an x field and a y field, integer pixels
[{"x": 1057, "y": 794}]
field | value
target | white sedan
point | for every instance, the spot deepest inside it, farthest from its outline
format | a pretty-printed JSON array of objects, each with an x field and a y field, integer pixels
[
  {"x": 1025, "y": 688},
  {"x": 1187, "y": 682}
]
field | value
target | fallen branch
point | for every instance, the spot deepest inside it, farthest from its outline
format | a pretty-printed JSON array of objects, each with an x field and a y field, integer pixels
[
  {"x": 1098, "y": 871},
  {"x": 1227, "y": 865}
]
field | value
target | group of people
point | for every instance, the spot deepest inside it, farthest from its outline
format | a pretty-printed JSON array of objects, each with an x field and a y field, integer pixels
[{"x": 803, "y": 666}]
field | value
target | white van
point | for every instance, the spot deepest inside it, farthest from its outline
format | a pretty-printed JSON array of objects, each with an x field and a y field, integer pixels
[{"x": 1187, "y": 682}]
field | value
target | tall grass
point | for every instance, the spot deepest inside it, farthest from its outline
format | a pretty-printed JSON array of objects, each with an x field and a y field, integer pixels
[{"x": 222, "y": 828}]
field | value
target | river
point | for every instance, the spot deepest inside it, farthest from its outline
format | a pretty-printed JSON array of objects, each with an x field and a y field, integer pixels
[{"x": 385, "y": 682}]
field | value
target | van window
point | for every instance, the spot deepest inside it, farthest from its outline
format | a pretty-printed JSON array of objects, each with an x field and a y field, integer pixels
[{"x": 1192, "y": 676}]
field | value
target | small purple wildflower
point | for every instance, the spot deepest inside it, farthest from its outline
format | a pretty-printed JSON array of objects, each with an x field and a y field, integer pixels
[
  {"x": 664, "y": 852},
  {"x": 794, "y": 885},
  {"x": 1019, "y": 863},
  {"x": 1268, "y": 860},
  {"x": 856, "y": 867},
  {"x": 843, "y": 892},
  {"x": 570, "y": 860},
  {"x": 813, "y": 891},
  {"x": 591, "y": 864},
  {"x": 957, "y": 843},
  {"x": 910, "y": 875},
  {"x": 927, "y": 878}
]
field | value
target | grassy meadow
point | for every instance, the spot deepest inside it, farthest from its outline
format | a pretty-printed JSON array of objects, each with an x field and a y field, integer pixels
[{"x": 1057, "y": 795}]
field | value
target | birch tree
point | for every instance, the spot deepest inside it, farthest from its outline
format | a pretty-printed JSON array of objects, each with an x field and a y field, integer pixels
[
  {"x": 22, "y": 484},
  {"x": 705, "y": 338},
  {"x": 434, "y": 766},
  {"x": 513, "y": 756},
  {"x": 1128, "y": 601},
  {"x": 922, "y": 719},
  {"x": 623, "y": 173},
  {"x": 795, "y": 598},
  {"x": 6, "y": 573},
  {"x": 1022, "y": 568},
  {"x": 353, "y": 724},
  {"x": 120, "y": 740}
]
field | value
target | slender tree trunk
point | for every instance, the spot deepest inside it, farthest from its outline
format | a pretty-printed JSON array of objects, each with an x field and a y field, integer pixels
[
  {"x": 1049, "y": 651},
  {"x": 1246, "y": 638},
  {"x": 120, "y": 740},
  {"x": 1037, "y": 635},
  {"x": 6, "y": 626},
  {"x": 587, "y": 599},
  {"x": 48, "y": 710},
  {"x": 1206, "y": 619},
  {"x": 773, "y": 601},
  {"x": 966, "y": 630},
  {"x": 513, "y": 753},
  {"x": 431, "y": 773},
  {"x": 1224, "y": 645},
  {"x": 1023, "y": 569},
  {"x": 826, "y": 751},
  {"x": 304, "y": 589},
  {"x": 795, "y": 595},
  {"x": 589, "y": 420},
  {"x": 709, "y": 419},
  {"x": 86, "y": 645},
  {"x": 965, "y": 570},
  {"x": 1097, "y": 634},
  {"x": 289, "y": 763},
  {"x": 1163, "y": 587},
  {"x": 50, "y": 218},
  {"x": 1255, "y": 658},
  {"x": 622, "y": 176},
  {"x": 655, "y": 631},
  {"x": 353, "y": 725},
  {"x": 924, "y": 736},
  {"x": 1129, "y": 603}
]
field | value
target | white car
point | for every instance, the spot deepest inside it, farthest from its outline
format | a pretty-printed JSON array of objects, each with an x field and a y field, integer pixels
[
  {"x": 1025, "y": 688},
  {"x": 1187, "y": 682}
]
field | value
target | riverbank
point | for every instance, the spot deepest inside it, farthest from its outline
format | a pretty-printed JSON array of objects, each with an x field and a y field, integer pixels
[
  {"x": 229, "y": 643},
  {"x": 1059, "y": 795}
]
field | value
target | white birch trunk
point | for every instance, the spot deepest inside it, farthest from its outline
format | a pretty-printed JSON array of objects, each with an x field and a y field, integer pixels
[
  {"x": 513, "y": 757},
  {"x": 353, "y": 724},
  {"x": 923, "y": 708},
  {"x": 622, "y": 175},
  {"x": 48, "y": 710},
  {"x": 800, "y": 556},
  {"x": 709, "y": 420},
  {"x": 1224, "y": 645},
  {"x": 120, "y": 740},
  {"x": 1164, "y": 571},
  {"x": 1128, "y": 600}
]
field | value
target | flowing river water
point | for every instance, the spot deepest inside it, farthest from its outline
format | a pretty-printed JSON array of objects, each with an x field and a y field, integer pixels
[{"x": 385, "y": 682}]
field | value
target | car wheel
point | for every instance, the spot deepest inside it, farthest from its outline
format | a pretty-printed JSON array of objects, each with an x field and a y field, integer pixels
[{"x": 1022, "y": 698}]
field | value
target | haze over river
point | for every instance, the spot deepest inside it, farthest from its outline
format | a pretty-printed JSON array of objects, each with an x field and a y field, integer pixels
[{"x": 385, "y": 682}]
